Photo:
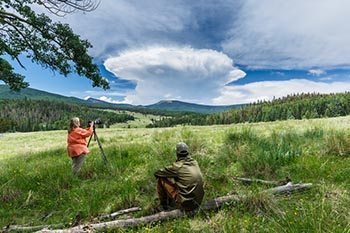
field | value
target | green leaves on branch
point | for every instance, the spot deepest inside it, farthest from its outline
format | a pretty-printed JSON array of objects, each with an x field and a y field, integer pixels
[
  {"x": 53, "y": 45},
  {"x": 15, "y": 81}
]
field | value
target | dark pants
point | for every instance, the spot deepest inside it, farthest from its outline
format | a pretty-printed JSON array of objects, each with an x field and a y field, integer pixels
[
  {"x": 77, "y": 162},
  {"x": 167, "y": 193}
]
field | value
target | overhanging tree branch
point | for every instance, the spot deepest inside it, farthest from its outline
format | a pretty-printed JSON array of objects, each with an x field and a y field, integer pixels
[
  {"x": 63, "y": 7},
  {"x": 44, "y": 34},
  {"x": 50, "y": 44}
]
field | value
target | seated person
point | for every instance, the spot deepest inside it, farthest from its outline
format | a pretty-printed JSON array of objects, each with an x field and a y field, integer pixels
[{"x": 182, "y": 182}]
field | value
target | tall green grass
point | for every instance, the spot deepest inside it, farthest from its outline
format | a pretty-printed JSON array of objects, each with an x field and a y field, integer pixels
[
  {"x": 262, "y": 156},
  {"x": 337, "y": 144},
  {"x": 39, "y": 189}
]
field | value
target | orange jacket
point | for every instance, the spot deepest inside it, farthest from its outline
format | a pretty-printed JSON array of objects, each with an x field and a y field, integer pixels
[{"x": 77, "y": 141}]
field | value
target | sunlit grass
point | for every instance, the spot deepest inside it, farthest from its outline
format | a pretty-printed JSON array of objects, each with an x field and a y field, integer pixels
[
  {"x": 141, "y": 120},
  {"x": 36, "y": 185}
]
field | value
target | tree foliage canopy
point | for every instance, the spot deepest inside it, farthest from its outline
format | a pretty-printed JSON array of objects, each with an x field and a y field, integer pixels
[{"x": 51, "y": 44}]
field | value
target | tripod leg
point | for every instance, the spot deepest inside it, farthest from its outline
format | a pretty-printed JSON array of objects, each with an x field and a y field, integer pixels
[
  {"x": 104, "y": 157},
  {"x": 90, "y": 139}
]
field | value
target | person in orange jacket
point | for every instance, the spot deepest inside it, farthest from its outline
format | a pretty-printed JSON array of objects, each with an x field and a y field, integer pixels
[{"x": 77, "y": 147}]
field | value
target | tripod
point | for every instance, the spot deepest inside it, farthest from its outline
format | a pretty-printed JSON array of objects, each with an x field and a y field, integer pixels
[{"x": 94, "y": 134}]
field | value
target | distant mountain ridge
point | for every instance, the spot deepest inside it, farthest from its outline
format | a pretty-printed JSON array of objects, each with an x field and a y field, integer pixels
[
  {"x": 164, "y": 105},
  {"x": 175, "y": 105},
  {"x": 34, "y": 94},
  {"x": 94, "y": 101}
]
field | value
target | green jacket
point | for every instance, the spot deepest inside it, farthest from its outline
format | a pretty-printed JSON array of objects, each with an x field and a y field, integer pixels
[{"x": 188, "y": 178}]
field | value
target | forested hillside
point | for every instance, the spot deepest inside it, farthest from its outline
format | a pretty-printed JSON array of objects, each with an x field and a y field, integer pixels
[
  {"x": 163, "y": 108},
  {"x": 298, "y": 106},
  {"x": 34, "y": 115}
]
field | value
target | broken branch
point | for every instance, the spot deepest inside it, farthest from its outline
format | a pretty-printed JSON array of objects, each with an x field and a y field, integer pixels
[
  {"x": 120, "y": 212},
  {"x": 250, "y": 181}
]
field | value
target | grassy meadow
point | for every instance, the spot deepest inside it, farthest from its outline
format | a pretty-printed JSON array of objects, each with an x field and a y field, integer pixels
[
  {"x": 36, "y": 185},
  {"x": 141, "y": 120}
]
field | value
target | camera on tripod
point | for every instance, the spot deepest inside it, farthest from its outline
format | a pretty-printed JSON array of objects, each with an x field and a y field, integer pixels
[{"x": 96, "y": 122}]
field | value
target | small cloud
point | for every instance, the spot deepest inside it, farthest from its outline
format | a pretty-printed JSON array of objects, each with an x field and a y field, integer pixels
[
  {"x": 316, "y": 72},
  {"x": 115, "y": 93},
  {"x": 110, "y": 100},
  {"x": 87, "y": 97}
]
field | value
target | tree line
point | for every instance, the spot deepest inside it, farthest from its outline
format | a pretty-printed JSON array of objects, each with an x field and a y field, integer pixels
[
  {"x": 36, "y": 115},
  {"x": 297, "y": 106}
]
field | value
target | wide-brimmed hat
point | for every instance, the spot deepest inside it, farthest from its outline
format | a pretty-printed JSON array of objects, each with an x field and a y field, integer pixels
[{"x": 181, "y": 149}]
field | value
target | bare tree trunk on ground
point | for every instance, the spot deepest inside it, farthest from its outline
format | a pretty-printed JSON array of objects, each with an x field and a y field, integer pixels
[
  {"x": 288, "y": 188},
  {"x": 22, "y": 228},
  {"x": 268, "y": 182}
]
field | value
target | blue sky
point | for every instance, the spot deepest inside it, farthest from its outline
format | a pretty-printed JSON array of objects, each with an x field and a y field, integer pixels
[{"x": 209, "y": 52}]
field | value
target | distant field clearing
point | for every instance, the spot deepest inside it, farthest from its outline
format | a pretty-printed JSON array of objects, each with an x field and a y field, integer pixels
[{"x": 22, "y": 144}]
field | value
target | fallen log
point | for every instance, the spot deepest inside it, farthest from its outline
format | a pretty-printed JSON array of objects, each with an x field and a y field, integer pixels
[
  {"x": 22, "y": 228},
  {"x": 288, "y": 188},
  {"x": 210, "y": 205},
  {"x": 120, "y": 212},
  {"x": 268, "y": 182}
]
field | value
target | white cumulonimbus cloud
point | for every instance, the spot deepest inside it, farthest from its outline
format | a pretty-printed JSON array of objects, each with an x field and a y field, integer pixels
[
  {"x": 182, "y": 73},
  {"x": 267, "y": 90}
]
